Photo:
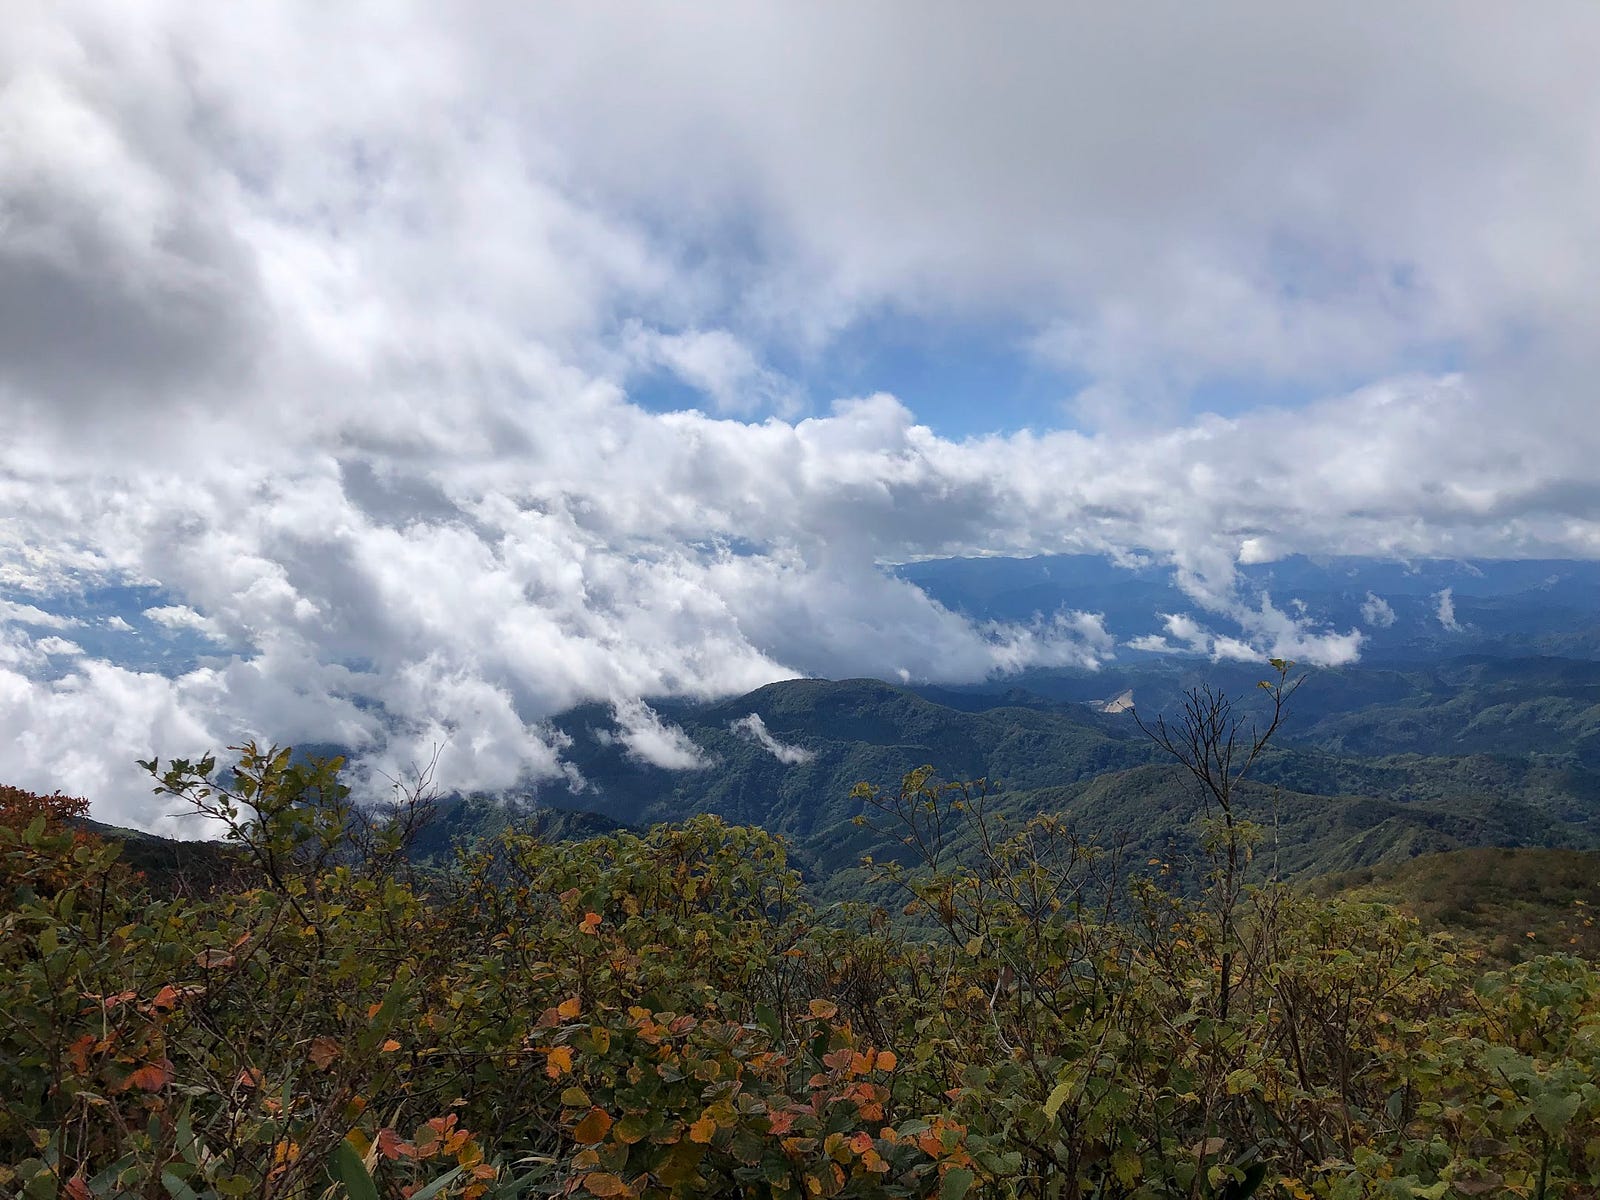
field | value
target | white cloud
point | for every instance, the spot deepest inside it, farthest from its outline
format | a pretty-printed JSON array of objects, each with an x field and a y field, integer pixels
[
  {"x": 1151, "y": 643},
  {"x": 322, "y": 320},
  {"x": 1445, "y": 609},
  {"x": 1377, "y": 611},
  {"x": 651, "y": 740},
  {"x": 722, "y": 367},
  {"x": 178, "y": 616},
  {"x": 753, "y": 728},
  {"x": 28, "y": 614}
]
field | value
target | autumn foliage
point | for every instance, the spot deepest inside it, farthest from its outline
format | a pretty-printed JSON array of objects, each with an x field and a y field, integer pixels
[{"x": 667, "y": 1014}]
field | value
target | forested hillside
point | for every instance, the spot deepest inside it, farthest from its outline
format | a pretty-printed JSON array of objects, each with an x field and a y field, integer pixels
[{"x": 1374, "y": 765}]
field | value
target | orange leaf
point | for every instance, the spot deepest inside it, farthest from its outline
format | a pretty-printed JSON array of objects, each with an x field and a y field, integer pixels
[
  {"x": 151, "y": 1078},
  {"x": 824, "y": 1010},
  {"x": 590, "y": 923},
  {"x": 779, "y": 1123},
  {"x": 78, "y": 1052},
  {"x": 322, "y": 1052},
  {"x": 389, "y": 1046},
  {"x": 391, "y": 1145},
  {"x": 593, "y": 1128},
  {"x": 703, "y": 1130},
  {"x": 166, "y": 998},
  {"x": 249, "y": 1077},
  {"x": 886, "y": 1060},
  {"x": 569, "y": 1008},
  {"x": 558, "y": 1062}
]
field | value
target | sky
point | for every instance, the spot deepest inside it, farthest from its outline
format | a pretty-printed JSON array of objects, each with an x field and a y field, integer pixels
[{"x": 400, "y": 375}]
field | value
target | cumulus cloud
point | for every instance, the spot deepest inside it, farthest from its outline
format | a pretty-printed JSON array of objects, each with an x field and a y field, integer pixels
[
  {"x": 326, "y": 323},
  {"x": 754, "y": 729},
  {"x": 1377, "y": 612}
]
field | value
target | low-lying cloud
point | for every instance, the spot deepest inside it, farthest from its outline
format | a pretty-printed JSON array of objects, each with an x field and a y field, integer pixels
[
  {"x": 754, "y": 729},
  {"x": 1445, "y": 609},
  {"x": 1377, "y": 612},
  {"x": 654, "y": 742}
]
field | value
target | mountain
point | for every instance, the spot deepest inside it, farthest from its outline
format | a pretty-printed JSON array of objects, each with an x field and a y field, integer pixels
[
  {"x": 836, "y": 734},
  {"x": 1512, "y": 903},
  {"x": 1329, "y": 799}
]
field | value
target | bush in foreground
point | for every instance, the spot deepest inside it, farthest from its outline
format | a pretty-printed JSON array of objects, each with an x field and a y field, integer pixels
[{"x": 665, "y": 1014}]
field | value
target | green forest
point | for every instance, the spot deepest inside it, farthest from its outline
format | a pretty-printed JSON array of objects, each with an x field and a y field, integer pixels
[{"x": 312, "y": 1009}]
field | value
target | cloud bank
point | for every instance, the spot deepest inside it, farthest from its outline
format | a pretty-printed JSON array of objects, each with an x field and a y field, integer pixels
[{"x": 344, "y": 331}]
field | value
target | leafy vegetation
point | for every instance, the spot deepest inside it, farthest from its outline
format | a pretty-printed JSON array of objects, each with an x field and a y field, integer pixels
[
  {"x": 1515, "y": 903},
  {"x": 673, "y": 1013}
]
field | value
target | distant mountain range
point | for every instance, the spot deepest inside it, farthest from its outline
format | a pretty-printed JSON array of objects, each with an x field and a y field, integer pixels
[
  {"x": 1377, "y": 764},
  {"x": 1506, "y": 607},
  {"x": 1485, "y": 732}
]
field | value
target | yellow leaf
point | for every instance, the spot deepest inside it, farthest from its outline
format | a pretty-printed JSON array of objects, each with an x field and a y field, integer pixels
[
  {"x": 703, "y": 1130},
  {"x": 569, "y": 1008},
  {"x": 558, "y": 1062}
]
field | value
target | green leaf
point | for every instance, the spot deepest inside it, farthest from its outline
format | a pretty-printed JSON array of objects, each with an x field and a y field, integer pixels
[
  {"x": 1241, "y": 1081},
  {"x": 438, "y": 1185},
  {"x": 957, "y": 1182},
  {"x": 353, "y": 1173},
  {"x": 1553, "y": 1110}
]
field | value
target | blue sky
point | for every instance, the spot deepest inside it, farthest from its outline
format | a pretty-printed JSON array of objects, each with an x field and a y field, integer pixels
[
  {"x": 438, "y": 368},
  {"x": 961, "y": 378}
]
